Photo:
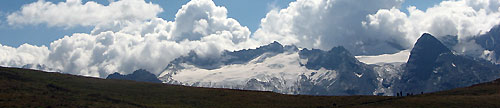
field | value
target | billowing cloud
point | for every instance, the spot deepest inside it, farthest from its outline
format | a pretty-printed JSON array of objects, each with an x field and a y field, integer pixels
[
  {"x": 75, "y": 13},
  {"x": 22, "y": 55},
  {"x": 463, "y": 18},
  {"x": 200, "y": 18},
  {"x": 327, "y": 23},
  {"x": 107, "y": 52},
  {"x": 124, "y": 46},
  {"x": 376, "y": 26}
]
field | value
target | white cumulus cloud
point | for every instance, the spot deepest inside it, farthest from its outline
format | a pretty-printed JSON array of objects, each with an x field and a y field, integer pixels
[
  {"x": 376, "y": 26},
  {"x": 462, "y": 18},
  {"x": 22, "y": 55},
  {"x": 327, "y": 23},
  {"x": 75, "y": 13},
  {"x": 199, "y": 18},
  {"x": 139, "y": 42}
]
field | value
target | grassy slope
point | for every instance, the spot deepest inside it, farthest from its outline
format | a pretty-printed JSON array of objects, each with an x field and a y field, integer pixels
[
  {"x": 480, "y": 95},
  {"x": 25, "y": 88}
]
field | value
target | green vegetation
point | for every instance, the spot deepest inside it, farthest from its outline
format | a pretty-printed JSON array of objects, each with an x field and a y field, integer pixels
[{"x": 31, "y": 88}]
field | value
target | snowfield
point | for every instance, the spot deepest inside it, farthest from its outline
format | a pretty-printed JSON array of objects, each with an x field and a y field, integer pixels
[
  {"x": 284, "y": 68},
  {"x": 399, "y": 57}
]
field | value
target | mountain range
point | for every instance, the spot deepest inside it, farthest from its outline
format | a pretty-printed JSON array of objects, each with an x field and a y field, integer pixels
[{"x": 432, "y": 66}]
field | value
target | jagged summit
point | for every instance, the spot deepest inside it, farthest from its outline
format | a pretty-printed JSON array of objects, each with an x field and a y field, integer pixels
[
  {"x": 429, "y": 42},
  {"x": 231, "y": 57},
  {"x": 340, "y": 50},
  {"x": 424, "y": 54},
  {"x": 275, "y": 44},
  {"x": 433, "y": 67},
  {"x": 422, "y": 61},
  {"x": 331, "y": 59},
  {"x": 274, "y": 47},
  {"x": 141, "y": 72},
  {"x": 138, "y": 75}
]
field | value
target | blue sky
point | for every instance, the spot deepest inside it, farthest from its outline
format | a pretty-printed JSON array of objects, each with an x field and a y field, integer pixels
[{"x": 248, "y": 13}]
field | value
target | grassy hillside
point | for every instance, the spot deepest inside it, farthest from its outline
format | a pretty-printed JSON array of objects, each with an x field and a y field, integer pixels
[{"x": 31, "y": 88}]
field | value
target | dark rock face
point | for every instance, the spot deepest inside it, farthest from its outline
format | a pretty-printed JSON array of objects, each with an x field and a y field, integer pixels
[
  {"x": 423, "y": 56},
  {"x": 138, "y": 75},
  {"x": 353, "y": 77},
  {"x": 490, "y": 41},
  {"x": 433, "y": 67},
  {"x": 454, "y": 71},
  {"x": 330, "y": 60}
]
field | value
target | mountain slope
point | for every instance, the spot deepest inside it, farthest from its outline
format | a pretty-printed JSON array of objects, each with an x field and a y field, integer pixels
[
  {"x": 138, "y": 75},
  {"x": 490, "y": 41},
  {"x": 352, "y": 76},
  {"x": 277, "y": 68},
  {"x": 484, "y": 95},
  {"x": 31, "y": 88},
  {"x": 433, "y": 67},
  {"x": 423, "y": 56}
]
